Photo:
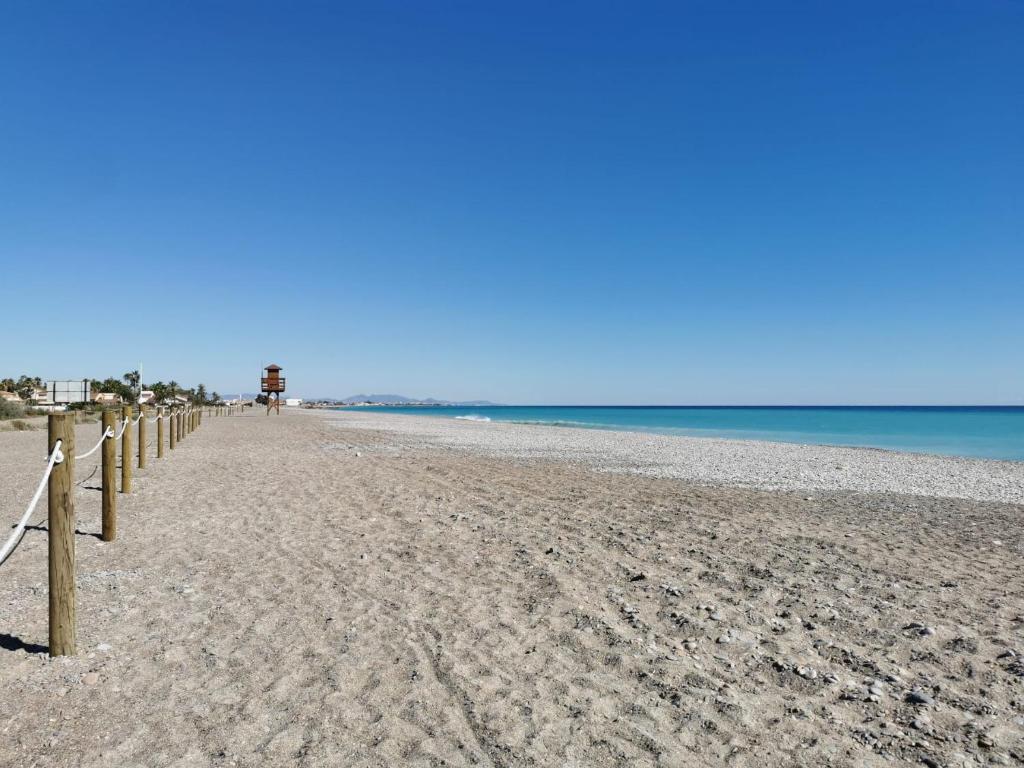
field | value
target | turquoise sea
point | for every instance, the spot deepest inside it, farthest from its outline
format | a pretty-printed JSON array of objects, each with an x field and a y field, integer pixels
[{"x": 992, "y": 432}]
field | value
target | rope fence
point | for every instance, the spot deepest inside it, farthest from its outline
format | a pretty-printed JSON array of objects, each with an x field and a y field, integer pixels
[
  {"x": 58, "y": 477},
  {"x": 106, "y": 433},
  {"x": 19, "y": 529}
]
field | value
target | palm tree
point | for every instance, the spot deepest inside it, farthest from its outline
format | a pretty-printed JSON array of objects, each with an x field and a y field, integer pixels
[
  {"x": 132, "y": 379},
  {"x": 159, "y": 390},
  {"x": 26, "y": 386}
]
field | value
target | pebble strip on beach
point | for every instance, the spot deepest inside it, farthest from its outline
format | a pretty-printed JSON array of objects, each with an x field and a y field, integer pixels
[{"x": 741, "y": 463}]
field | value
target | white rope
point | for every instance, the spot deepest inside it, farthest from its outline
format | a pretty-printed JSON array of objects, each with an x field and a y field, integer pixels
[
  {"x": 141, "y": 414},
  {"x": 124, "y": 425},
  {"x": 55, "y": 457},
  {"x": 108, "y": 432}
]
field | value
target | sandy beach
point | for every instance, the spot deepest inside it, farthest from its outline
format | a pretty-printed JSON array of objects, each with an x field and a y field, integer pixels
[{"x": 359, "y": 589}]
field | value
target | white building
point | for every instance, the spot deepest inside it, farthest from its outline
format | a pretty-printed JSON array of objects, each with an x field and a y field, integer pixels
[{"x": 293, "y": 402}]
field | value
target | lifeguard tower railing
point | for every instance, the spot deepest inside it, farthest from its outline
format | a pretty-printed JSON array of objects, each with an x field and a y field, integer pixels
[{"x": 272, "y": 384}]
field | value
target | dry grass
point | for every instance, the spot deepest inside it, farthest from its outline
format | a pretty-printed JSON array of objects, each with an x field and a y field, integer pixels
[{"x": 9, "y": 410}]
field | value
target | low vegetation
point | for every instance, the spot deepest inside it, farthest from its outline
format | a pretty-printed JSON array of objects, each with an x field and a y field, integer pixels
[{"x": 10, "y": 410}]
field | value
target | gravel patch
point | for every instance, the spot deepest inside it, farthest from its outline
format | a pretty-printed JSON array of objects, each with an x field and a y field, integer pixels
[{"x": 738, "y": 463}]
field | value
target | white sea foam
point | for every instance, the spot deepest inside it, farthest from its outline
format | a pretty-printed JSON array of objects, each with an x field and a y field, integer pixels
[{"x": 473, "y": 417}]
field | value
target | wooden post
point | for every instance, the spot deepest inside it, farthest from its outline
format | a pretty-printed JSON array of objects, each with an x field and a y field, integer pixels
[
  {"x": 160, "y": 419},
  {"x": 172, "y": 422},
  {"x": 142, "y": 438},
  {"x": 61, "y": 530},
  {"x": 109, "y": 484},
  {"x": 179, "y": 420},
  {"x": 126, "y": 451}
]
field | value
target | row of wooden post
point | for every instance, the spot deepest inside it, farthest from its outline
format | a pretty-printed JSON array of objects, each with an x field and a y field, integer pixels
[{"x": 176, "y": 423}]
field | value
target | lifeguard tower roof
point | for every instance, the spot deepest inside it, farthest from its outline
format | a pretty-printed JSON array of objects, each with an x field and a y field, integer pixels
[{"x": 273, "y": 367}]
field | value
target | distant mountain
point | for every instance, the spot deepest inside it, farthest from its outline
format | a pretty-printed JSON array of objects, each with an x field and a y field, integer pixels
[
  {"x": 389, "y": 399},
  {"x": 403, "y": 400}
]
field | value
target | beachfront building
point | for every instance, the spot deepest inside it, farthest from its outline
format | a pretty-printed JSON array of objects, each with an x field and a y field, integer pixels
[
  {"x": 147, "y": 397},
  {"x": 107, "y": 398},
  {"x": 10, "y": 397},
  {"x": 293, "y": 402}
]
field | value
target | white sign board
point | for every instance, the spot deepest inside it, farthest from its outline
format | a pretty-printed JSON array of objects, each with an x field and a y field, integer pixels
[{"x": 68, "y": 391}]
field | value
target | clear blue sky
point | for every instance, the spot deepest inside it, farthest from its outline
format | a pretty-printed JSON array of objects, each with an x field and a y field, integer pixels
[{"x": 713, "y": 202}]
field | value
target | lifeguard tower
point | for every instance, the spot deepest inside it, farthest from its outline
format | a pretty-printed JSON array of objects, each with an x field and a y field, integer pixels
[{"x": 272, "y": 385}]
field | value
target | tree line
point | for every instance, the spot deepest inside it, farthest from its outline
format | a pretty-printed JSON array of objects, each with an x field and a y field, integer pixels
[{"x": 128, "y": 386}]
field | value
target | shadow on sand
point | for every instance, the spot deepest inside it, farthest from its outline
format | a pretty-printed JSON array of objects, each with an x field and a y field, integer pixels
[
  {"x": 78, "y": 531},
  {"x": 12, "y": 643}
]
